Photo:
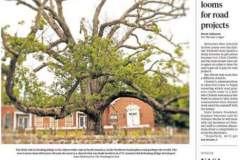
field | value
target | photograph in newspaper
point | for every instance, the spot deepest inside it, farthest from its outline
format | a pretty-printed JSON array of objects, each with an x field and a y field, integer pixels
[{"x": 104, "y": 73}]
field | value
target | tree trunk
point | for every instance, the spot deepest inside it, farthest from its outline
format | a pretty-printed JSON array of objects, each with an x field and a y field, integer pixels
[
  {"x": 94, "y": 124},
  {"x": 90, "y": 126},
  {"x": 98, "y": 125}
]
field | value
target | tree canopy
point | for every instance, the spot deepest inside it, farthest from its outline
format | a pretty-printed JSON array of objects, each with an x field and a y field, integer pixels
[{"x": 112, "y": 59}]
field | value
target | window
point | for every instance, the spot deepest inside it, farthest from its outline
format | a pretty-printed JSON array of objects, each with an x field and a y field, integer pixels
[
  {"x": 81, "y": 120},
  {"x": 22, "y": 121},
  {"x": 52, "y": 122},
  {"x": 69, "y": 121},
  {"x": 133, "y": 116},
  {"x": 113, "y": 119},
  {"x": 8, "y": 120}
]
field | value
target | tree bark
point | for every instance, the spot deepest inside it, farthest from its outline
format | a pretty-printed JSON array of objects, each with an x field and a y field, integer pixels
[
  {"x": 90, "y": 125},
  {"x": 94, "y": 125},
  {"x": 98, "y": 125}
]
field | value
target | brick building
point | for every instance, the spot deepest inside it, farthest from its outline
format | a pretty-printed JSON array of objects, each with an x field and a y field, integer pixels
[
  {"x": 14, "y": 119},
  {"x": 122, "y": 113},
  {"x": 128, "y": 113}
]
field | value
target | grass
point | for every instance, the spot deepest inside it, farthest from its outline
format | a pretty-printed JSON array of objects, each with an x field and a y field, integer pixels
[
  {"x": 135, "y": 133},
  {"x": 59, "y": 133}
]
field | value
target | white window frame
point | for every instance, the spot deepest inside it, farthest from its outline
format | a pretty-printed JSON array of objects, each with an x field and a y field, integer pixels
[
  {"x": 113, "y": 119},
  {"x": 133, "y": 109},
  {"x": 81, "y": 114},
  {"x": 21, "y": 113}
]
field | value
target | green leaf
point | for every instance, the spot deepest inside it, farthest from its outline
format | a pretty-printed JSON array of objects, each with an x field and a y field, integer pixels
[
  {"x": 179, "y": 51},
  {"x": 21, "y": 22}
]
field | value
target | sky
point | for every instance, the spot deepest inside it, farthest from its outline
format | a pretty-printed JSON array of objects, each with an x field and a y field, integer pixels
[{"x": 75, "y": 10}]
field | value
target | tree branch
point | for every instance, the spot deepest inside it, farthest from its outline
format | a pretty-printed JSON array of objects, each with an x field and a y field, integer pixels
[
  {"x": 143, "y": 13},
  {"x": 84, "y": 30},
  {"x": 5, "y": 45},
  {"x": 153, "y": 103},
  {"x": 174, "y": 99},
  {"x": 37, "y": 69},
  {"x": 96, "y": 17}
]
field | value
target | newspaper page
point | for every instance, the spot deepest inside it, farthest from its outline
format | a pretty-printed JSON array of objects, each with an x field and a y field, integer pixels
[
  {"x": 107, "y": 79},
  {"x": 217, "y": 80}
]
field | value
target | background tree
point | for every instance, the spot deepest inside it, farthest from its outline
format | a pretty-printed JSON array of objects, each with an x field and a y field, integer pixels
[
  {"x": 112, "y": 59},
  {"x": 175, "y": 120}
]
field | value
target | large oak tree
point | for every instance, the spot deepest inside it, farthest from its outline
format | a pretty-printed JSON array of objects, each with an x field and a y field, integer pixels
[{"x": 112, "y": 59}]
